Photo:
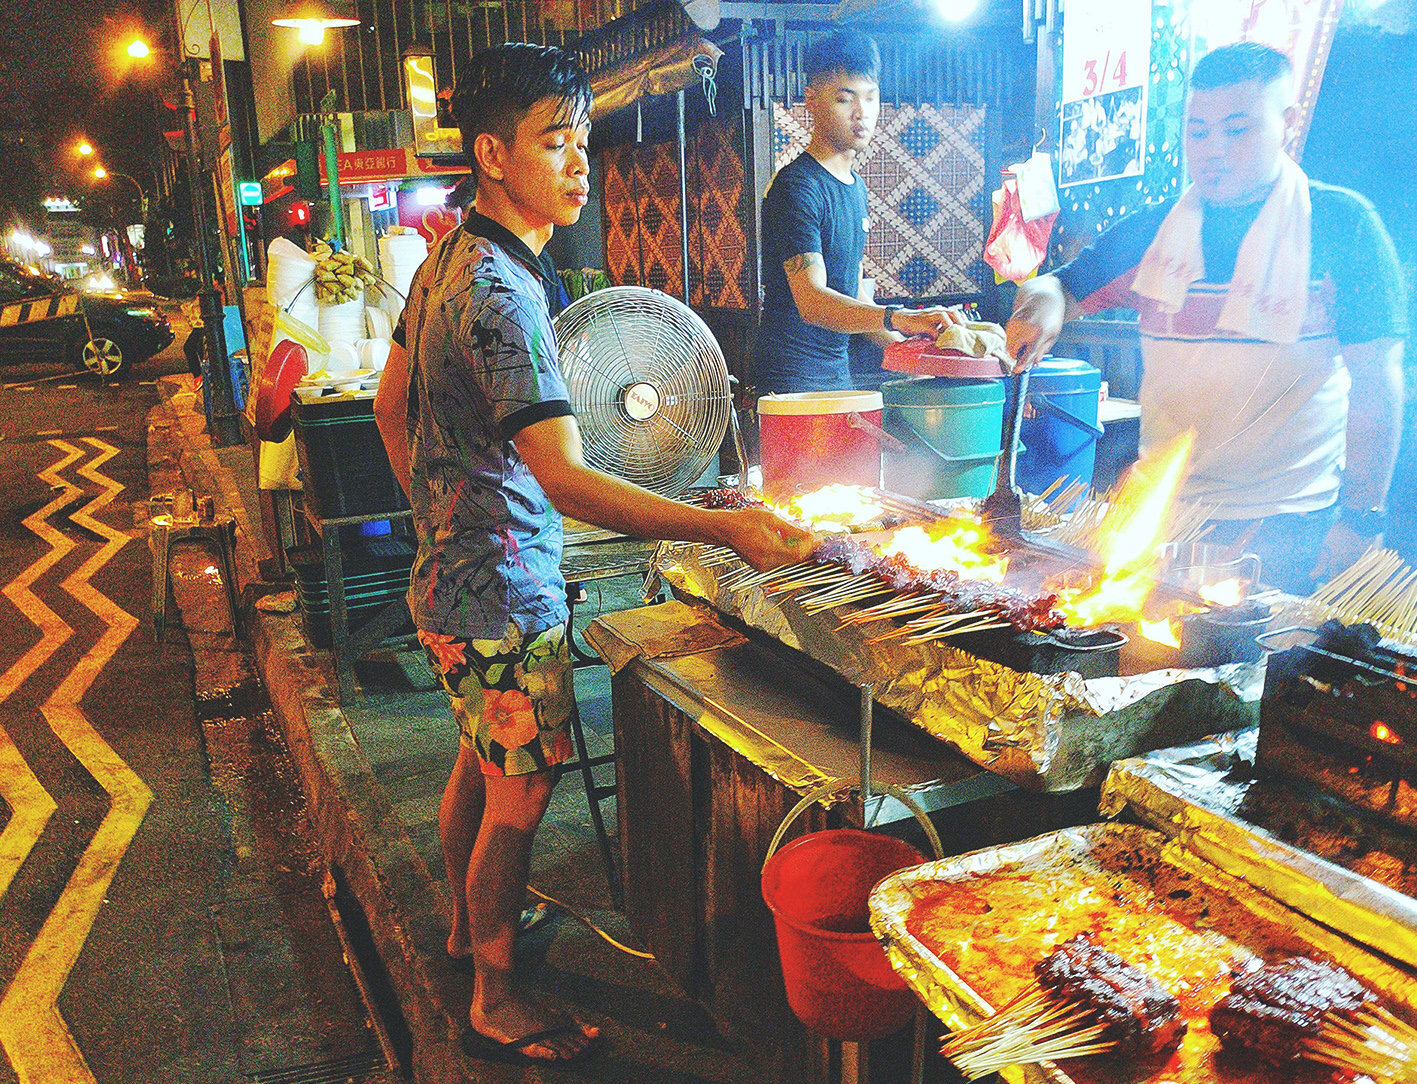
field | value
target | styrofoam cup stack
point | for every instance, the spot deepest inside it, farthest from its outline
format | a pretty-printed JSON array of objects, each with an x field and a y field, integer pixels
[
  {"x": 343, "y": 323},
  {"x": 289, "y": 274},
  {"x": 400, "y": 255},
  {"x": 344, "y": 358},
  {"x": 373, "y": 353},
  {"x": 378, "y": 320}
]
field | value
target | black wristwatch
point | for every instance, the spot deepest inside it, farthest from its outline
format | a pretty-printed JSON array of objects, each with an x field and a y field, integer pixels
[
  {"x": 889, "y": 319},
  {"x": 1364, "y": 522}
]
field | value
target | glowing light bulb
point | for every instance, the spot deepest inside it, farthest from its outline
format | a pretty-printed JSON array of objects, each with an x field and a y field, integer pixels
[
  {"x": 138, "y": 49},
  {"x": 956, "y": 10},
  {"x": 312, "y": 32}
]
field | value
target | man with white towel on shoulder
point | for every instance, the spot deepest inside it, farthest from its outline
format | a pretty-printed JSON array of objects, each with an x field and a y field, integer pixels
[{"x": 1271, "y": 312}]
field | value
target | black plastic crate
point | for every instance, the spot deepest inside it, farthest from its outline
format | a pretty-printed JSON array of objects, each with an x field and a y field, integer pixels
[
  {"x": 343, "y": 464},
  {"x": 317, "y": 622},
  {"x": 367, "y": 561}
]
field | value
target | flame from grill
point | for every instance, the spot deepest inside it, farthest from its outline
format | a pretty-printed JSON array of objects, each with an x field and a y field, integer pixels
[
  {"x": 1132, "y": 531},
  {"x": 1160, "y": 632},
  {"x": 834, "y": 507},
  {"x": 1229, "y": 592},
  {"x": 958, "y": 544}
]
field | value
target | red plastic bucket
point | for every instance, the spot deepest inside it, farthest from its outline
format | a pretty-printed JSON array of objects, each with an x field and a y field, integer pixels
[
  {"x": 839, "y": 982},
  {"x": 813, "y": 438}
]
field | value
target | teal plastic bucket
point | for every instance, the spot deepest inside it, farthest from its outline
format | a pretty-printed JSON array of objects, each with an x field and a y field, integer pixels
[
  {"x": 951, "y": 429},
  {"x": 1060, "y": 430}
]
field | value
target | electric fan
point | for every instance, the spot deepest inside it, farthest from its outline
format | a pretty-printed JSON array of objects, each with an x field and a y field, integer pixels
[{"x": 648, "y": 385}]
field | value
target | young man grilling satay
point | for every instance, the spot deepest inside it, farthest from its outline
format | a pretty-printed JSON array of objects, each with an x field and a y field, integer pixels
[
  {"x": 1271, "y": 315},
  {"x": 475, "y": 417},
  {"x": 815, "y": 217}
]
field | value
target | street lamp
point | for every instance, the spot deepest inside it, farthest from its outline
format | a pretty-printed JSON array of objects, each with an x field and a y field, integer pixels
[
  {"x": 102, "y": 174},
  {"x": 312, "y": 18},
  {"x": 85, "y": 148}
]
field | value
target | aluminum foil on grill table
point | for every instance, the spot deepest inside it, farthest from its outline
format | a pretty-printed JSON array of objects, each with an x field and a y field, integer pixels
[
  {"x": 1195, "y": 795},
  {"x": 1052, "y": 732},
  {"x": 1166, "y": 909}
]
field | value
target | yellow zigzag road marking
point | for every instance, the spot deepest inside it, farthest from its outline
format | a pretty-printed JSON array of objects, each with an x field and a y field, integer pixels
[
  {"x": 54, "y": 629},
  {"x": 32, "y": 1032},
  {"x": 30, "y": 804},
  {"x": 30, "y": 810}
]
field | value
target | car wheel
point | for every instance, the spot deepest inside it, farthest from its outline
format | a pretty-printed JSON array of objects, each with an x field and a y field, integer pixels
[{"x": 103, "y": 356}]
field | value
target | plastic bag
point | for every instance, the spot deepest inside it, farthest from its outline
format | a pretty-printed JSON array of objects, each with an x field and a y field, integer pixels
[
  {"x": 279, "y": 465},
  {"x": 317, "y": 347},
  {"x": 1018, "y": 244}
]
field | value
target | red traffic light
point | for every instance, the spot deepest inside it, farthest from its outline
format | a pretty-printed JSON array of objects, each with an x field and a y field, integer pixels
[{"x": 298, "y": 214}]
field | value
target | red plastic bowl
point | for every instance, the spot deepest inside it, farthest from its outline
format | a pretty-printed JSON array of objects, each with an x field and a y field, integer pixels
[
  {"x": 287, "y": 366},
  {"x": 923, "y": 358}
]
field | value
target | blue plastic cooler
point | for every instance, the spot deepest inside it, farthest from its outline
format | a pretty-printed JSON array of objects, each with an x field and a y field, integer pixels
[{"x": 1060, "y": 430}]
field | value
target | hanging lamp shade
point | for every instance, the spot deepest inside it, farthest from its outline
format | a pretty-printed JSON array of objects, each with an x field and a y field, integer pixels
[{"x": 313, "y": 17}]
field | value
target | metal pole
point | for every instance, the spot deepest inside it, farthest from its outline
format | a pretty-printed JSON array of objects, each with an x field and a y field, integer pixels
[
  {"x": 867, "y": 718},
  {"x": 329, "y": 129},
  {"x": 683, "y": 192},
  {"x": 222, "y": 420}
]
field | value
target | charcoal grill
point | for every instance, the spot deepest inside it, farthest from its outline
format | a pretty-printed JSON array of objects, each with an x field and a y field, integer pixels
[
  {"x": 1341, "y": 713},
  {"x": 1048, "y": 711}
]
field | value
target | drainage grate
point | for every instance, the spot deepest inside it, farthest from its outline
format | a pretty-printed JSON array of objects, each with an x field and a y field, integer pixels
[{"x": 334, "y": 1071}]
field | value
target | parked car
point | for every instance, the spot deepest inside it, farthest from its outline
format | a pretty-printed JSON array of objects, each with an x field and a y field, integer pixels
[{"x": 43, "y": 320}]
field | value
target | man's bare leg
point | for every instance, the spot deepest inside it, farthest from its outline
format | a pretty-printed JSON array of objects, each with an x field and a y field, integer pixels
[
  {"x": 496, "y": 886},
  {"x": 459, "y": 816}
]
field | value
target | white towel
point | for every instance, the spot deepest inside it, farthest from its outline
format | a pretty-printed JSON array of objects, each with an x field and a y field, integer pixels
[{"x": 1269, "y": 291}]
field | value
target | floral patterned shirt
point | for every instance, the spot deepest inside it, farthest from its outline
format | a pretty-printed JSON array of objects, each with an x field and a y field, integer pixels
[{"x": 482, "y": 367}]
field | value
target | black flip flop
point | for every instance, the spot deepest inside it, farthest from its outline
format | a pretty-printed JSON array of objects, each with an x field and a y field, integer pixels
[{"x": 485, "y": 1048}]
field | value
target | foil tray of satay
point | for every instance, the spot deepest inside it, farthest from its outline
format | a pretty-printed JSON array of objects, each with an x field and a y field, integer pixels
[
  {"x": 976, "y": 650},
  {"x": 1112, "y": 954},
  {"x": 1308, "y": 849}
]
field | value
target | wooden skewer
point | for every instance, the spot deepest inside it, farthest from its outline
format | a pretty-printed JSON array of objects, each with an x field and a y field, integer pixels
[
  {"x": 799, "y": 584},
  {"x": 928, "y": 624},
  {"x": 1035, "y": 1026},
  {"x": 930, "y": 621},
  {"x": 1370, "y": 1042},
  {"x": 843, "y": 583},
  {"x": 867, "y": 591},
  {"x": 902, "y": 604},
  {"x": 735, "y": 575},
  {"x": 716, "y": 555},
  {"x": 852, "y": 588},
  {"x": 945, "y": 634}
]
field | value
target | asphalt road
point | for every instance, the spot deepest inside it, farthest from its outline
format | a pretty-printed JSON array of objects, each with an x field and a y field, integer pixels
[{"x": 161, "y": 913}]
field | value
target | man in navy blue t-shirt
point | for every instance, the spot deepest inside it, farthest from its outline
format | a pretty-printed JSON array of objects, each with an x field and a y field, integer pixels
[{"x": 815, "y": 219}]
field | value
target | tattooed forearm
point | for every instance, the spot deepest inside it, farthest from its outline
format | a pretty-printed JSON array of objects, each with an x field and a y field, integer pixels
[{"x": 801, "y": 262}]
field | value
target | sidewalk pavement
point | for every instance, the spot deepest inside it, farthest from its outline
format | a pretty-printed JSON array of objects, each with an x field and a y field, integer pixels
[{"x": 373, "y": 772}]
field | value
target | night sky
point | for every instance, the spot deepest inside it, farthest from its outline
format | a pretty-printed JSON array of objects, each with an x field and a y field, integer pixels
[{"x": 62, "y": 64}]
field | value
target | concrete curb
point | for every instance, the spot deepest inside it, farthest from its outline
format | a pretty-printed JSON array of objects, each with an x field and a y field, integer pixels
[{"x": 356, "y": 828}]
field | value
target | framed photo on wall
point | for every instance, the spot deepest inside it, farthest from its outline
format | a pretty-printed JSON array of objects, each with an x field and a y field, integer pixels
[{"x": 1105, "y": 71}]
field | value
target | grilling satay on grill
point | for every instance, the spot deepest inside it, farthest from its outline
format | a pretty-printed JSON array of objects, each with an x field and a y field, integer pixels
[
  {"x": 1299, "y": 1008},
  {"x": 1085, "y": 1000},
  {"x": 1026, "y": 612}
]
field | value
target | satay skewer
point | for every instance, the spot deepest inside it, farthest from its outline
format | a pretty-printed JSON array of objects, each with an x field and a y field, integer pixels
[
  {"x": 1084, "y": 1000},
  {"x": 1303, "y": 1009}
]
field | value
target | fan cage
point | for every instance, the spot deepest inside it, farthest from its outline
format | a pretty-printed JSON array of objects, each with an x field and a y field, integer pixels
[{"x": 628, "y": 351}]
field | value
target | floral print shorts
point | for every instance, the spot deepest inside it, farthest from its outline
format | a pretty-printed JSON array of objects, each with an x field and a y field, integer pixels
[{"x": 512, "y": 697}]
